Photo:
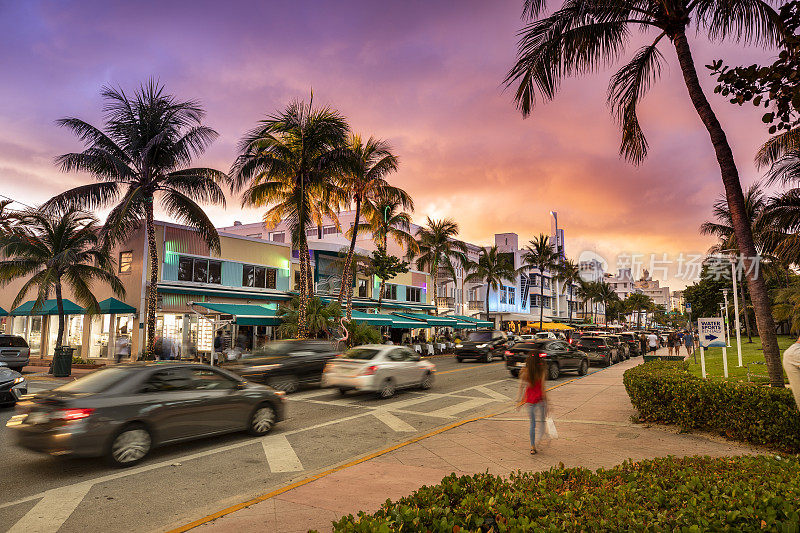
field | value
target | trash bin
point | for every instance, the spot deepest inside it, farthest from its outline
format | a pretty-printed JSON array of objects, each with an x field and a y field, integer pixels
[{"x": 62, "y": 362}]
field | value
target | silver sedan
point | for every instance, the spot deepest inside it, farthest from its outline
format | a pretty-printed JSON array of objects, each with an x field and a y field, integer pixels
[{"x": 378, "y": 368}]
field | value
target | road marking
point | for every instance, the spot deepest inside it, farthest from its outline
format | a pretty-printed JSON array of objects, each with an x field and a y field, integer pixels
[
  {"x": 280, "y": 454},
  {"x": 53, "y": 510},
  {"x": 470, "y": 368},
  {"x": 461, "y": 407},
  {"x": 393, "y": 422},
  {"x": 492, "y": 393}
]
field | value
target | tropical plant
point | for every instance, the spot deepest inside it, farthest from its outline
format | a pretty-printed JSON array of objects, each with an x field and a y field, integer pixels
[
  {"x": 364, "y": 183},
  {"x": 437, "y": 240},
  {"x": 148, "y": 141},
  {"x": 321, "y": 318},
  {"x": 456, "y": 263},
  {"x": 492, "y": 269},
  {"x": 584, "y": 35},
  {"x": 787, "y": 305},
  {"x": 385, "y": 267},
  {"x": 7, "y": 216},
  {"x": 388, "y": 220},
  {"x": 568, "y": 272},
  {"x": 606, "y": 295},
  {"x": 637, "y": 302},
  {"x": 55, "y": 251},
  {"x": 539, "y": 255},
  {"x": 291, "y": 161},
  {"x": 362, "y": 333}
]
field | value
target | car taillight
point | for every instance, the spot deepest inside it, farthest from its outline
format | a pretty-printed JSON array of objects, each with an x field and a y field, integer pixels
[
  {"x": 508, "y": 352},
  {"x": 73, "y": 414},
  {"x": 370, "y": 370},
  {"x": 542, "y": 355}
]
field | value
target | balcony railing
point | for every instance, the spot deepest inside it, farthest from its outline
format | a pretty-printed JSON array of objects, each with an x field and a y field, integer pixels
[
  {"x": 477, "y": 305},
  {"x": 445, "y": 301}
]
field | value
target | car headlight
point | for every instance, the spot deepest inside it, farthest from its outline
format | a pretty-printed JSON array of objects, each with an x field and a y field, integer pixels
[
  {"x": 19, "y": 380},
  {"x": 259, "y": 368},
  {"x": 459, "y": 345},
  {"x": 481, "y": 346}
]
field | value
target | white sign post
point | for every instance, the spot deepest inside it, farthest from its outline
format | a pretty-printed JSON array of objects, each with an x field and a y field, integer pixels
[{"x": 712, "y": 334}]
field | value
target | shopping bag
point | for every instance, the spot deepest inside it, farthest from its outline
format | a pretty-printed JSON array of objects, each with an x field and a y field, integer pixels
[{"x": 550, "y": 428}]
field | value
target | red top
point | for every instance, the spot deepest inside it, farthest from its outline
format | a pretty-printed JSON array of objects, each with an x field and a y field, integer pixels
[{"x": 533, "y": 394}]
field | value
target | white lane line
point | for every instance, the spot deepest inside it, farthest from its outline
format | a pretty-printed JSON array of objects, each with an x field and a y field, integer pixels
[
  {"x": 393, "y": 422},
  {"x": 461, "y": 407},
  {"x": 280, "y": 454},
  {"x": 53, "y": 510},
  {"x": 492, "y": 393}
]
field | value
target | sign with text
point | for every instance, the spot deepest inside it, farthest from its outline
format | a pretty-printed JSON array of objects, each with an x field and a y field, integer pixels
[{"x": 712, "y": 332}]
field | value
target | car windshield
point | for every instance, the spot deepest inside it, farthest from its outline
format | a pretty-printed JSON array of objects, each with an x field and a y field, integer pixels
[
  {"x": 591, "y": 342},
  {"x": 97, "y": 381},
  {"x": 364, "y": 354},
  {"x": 12, "y": 342},
  {"x": 479, "y": 336},
  {"x": 537, "y": 345}
]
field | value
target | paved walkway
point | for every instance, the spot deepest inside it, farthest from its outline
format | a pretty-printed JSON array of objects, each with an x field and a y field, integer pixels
[{"x": 593, "y": 419}]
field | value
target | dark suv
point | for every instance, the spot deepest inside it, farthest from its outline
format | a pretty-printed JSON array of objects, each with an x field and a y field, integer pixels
[
  {"x": 598, "y": 349},
  {"x": 559, "y": 356},
  {"x": 631, "y": 339},
  {"x": 483, "y": 345}
]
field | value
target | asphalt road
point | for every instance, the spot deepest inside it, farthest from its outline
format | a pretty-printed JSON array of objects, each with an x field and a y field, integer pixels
[{"x": 180, "y": 483}]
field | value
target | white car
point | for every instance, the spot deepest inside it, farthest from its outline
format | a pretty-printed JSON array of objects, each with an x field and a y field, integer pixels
[{"x": 378, "y": 368}]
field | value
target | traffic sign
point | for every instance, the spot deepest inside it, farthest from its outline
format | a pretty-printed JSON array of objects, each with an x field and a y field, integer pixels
[
  {"x": 688, "y": 307},
  {"x": 712, "y": 332}
]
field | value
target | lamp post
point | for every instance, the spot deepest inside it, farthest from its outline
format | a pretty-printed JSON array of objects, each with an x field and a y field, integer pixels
[
  {"x": 558, "y": 254},
  {"x": 727, "y": 329},
  {"x": 736, "y": 311},
  {"x": 724, "y": 348}
]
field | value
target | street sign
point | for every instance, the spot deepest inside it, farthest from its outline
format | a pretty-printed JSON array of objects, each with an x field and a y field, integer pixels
[
  {"x": 712, "y": 332},
  {"x": 688, "y": 307}
]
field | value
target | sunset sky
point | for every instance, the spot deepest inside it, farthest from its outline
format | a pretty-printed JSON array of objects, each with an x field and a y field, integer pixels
[{"x": 426, "y": 76}]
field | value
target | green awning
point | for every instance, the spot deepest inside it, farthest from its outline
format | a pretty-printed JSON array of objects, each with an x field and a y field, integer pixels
[
  {"x": 245, "y": 314},
  {"x": 114, "y": 306},
  {"x": 401, "y": 322},
  {"x": 371, "y": 318},
  {"x": 3, "y": 312},
  {"x": 48, "y": 308},
  {"x": 437, "y": 320},
  {"x": 477, "y": 321}
]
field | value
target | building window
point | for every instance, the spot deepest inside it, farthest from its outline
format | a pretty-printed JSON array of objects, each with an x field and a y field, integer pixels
[
  {"x": 199, "y": 270},
  {"x": 125, "y": 261},
  {"x": 277, "y": 236},
  {"x": 297, "y": 280},
  {"x": 503, "y": 294},
  {"x": 511, "y": 292},
  {"x": 311, "y": 232},
  {"x": 260, "y": 277},
  {"x": 362, "y": 288},
  {"x": 390, "y": 291},
  {"x": 535, "y": 300},
  {"x": 413, "y": 294},
  {"x": 472, "y": 295},
  {"x": 330, "y": 230},
  {"x": 185, "y": 268}
]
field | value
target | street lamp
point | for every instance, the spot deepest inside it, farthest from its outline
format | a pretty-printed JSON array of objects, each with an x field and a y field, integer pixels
[{"x": 727, "y": 329}]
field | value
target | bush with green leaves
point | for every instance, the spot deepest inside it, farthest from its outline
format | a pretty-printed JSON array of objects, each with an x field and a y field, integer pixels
[
  {"x": 360, "y": 333},
  {"x": 665, "y": 392},
  {"x": 746, "y": 493}
]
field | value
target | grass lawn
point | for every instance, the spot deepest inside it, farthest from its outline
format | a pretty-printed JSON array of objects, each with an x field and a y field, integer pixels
[{"x": 751, "y": 353}]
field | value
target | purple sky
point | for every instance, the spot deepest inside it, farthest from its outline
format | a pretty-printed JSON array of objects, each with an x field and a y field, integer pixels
[{"x": 424, "y": 75}]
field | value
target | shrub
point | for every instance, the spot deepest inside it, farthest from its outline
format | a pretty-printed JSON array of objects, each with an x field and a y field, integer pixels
[
  {"x": 666, "y": 494},
  {"x": 360, "y": 333},
  {"x": 665, "y": 392}
]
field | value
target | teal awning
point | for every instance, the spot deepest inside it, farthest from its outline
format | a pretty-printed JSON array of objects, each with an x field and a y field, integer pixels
[
  {"x": 113, "y": 306},
  {"x": 245, "y": 315},
  {"x": 49, "y": 307},
  {"x": 477, "y": 321},
  {"x": 3, "y": 312},
  {"x": 401, "y": 322},
  {"x": 371, "y": 318},
  {"x": 438, "y": 320}
]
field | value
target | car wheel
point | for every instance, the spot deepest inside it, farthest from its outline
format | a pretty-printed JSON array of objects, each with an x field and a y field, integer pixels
[
  {"x": 343, "y": 392},
  {"x": 488, "y": 358},
  {"x": 262, "y": 420},
  {"x": 387, "y": 389},
  {"x": 130, "y": 445},
  {"x": 427, "y": 381},
  {"x": 514, "y": 372},
  {"x": 288, "y": 383},
  {"x": 460, "y": 360},
  {"x": 607, "y": 361},
  {"x": 553, "y": 372},
  {"x": 584, "y": 368}
]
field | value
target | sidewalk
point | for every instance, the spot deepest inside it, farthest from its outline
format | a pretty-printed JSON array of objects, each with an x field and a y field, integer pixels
[
  {"x": 40, "y": 372},
  {"x": 593, "y": 419}
]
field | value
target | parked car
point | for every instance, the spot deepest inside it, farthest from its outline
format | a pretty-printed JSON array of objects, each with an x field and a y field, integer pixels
[
  {"x": 558, "y": 355},
  {"x": 285, "y": 365},
  {"x": 631, "y": 340},
  {"x": 123, "y": 411},
  {"x": 13, "y": 385},
  {"x": 598, "y": 349},
  {"x": 378, "y": 368},
  {"x": 483, "y": 345},
  {"x": 621, "y": 347},
  {"x": 14, "y": 352}
]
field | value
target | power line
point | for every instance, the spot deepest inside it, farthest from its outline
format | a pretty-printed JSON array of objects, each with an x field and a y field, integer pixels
[{"x": 17, "y": 201}]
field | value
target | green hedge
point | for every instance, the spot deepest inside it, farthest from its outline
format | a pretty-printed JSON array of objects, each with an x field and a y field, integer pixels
[
  {"x": 665, "y": 391},
  {"x": 667, "y": 494}
]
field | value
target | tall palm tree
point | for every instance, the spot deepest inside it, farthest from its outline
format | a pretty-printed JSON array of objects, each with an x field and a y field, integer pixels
[
  {"x": 607, "y": 295},
  {"x": 584, "y": 35},
  {"x": 455, "y": 263},
  {"x": 292, "y": 161},
  {"x": 492, "y": 269},
  {"x": 143, "y": 152},
  {"x": 587, "y": 291},
  {"x": 56, "y": 251},
  {"x": 437, "y": 240},
  {"x": 364, "y": 183},
  {"x": 7, "y": 216},
  {"x": 637, "y": 301},
  {"x": 539, "y": 255},
  {"x": 568, "y": 272}
]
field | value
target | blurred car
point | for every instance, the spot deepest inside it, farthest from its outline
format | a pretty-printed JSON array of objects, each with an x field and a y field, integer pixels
[
  {"x": 598, "y": 350},
  {"x": 483, "y": 345},
  {"x": 285, "y": 365},
  {"x": 123, "y": 411},
  {"x": 378, "y": 368},
  {"x": 631, "y": 339},
  {"x": 558, "y": 355},
  {"x": 14, "y": 352},
  {"x": 13, "y": 385}
]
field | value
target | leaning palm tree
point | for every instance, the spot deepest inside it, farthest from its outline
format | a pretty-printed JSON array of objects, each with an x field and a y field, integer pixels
[
  {"x": 539, "y": 255},
  {"x": 291, "y": 161},
  {"x": 437, "y": 240},
  {"x": 364, "y": 183},
  {"x": 55, "y": 251},
  {"x": 492, "y": 269},
  {"x": 149, "y": 140},
  {"x": 585, "y": 35},
  {"x": 568, "y": 272}
]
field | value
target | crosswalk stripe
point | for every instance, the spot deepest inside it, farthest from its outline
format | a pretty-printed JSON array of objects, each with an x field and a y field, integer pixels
[
  {"x": 53, "y": 510},
  {"x": 280, "y": 454},
  {"x": 492, "y": 393},
  {"x": 460, "y": 407},
  {"x": 393, "y": 422}
]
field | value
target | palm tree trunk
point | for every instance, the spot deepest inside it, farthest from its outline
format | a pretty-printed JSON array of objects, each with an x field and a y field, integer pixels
[
  {"x": 348, "y": 265},
  {"x": 61, "y": 318},
  {"x": 302, "y": 326},
  {"x": 152, "y": 249},
  {"x": 309, "y": 271},
  {"x": 435, "y": 269},
  {"x": 736, "y": 205},
  {"x": 541, "y": 299},
  {"x": 486, "y": 298}
]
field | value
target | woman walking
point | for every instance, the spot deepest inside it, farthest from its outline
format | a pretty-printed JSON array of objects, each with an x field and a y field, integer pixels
[{"x": 532, "y": 393}]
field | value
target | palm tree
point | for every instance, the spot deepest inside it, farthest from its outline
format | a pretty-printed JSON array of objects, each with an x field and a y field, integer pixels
[
  {"x": 54, "y": 251},
  {"x": 148, "y": 141},
  {"x": 364, "y": 182},
  {"x": 436, "y": 240},
  {"x": 539, "y": 255},
  {"x": 321, "y": 318},
  {"x": 787, "y": 304},
  {"x": 637, "y": 301},
  {"x": 455, "y": 262},
  {"x": 606, "y": 295},
  {"x": 568, "y": 272},
  {"x": 585, "y": 35},
  {"x": 492, "y": 269},
  {"x": 291, "y": 161},
  {"x": 7, "y": 217}
]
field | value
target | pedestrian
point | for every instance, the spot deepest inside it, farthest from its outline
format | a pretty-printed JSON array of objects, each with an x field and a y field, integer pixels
[
  {"x": 642, "y": 343},
  {"x": 532, "y": 394},
  {"x": 122, "y": 348},
  {"x": 652, "y": 342},
  {"x": 219, "y": 345},
  {"x": 670, "y": 341},
  {"x": 688, "y": 341},
  {"x": 791, "y": 364}
]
